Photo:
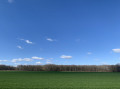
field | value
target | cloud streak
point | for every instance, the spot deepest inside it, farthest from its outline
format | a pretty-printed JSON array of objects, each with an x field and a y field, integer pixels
[
  {"x": 49, "y": 39},
  {"x": 38, "y": 58},
  {"x": 66, "y": 57},
  {"x": 19, "y": 47},
  {"x": 27, "y": 41},
  {"x": 3, "y": 60},
  {"x": 20, "y": 59},
  {"x": 38, "y": 63},
  {"x": 116, "y": 50}
]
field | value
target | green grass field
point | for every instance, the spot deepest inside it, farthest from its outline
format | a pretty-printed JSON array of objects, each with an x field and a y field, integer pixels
[{"x": 58, "y": 80}]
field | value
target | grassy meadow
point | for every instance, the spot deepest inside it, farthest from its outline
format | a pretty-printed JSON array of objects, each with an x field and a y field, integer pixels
[{"x": 59, "y": 80}]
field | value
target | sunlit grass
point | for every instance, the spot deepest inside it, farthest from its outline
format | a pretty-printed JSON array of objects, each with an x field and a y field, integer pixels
[{"x": 58, "y": 80}]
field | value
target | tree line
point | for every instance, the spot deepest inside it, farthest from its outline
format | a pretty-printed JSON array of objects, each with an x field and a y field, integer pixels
[{"x": 74, "y": 68}]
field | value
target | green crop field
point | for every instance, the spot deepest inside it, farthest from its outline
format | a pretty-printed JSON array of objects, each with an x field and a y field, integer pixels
[{"x": 58, "y": 80}]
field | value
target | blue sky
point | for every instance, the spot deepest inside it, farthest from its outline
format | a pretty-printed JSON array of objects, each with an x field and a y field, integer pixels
[{"x": 79, "y": 32}]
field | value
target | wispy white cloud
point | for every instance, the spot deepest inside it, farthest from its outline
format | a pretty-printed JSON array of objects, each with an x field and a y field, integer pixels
[
  {"x": 89, "y": 53},
  {"x": 28, "y": 41},
  {"x": 116, "y": 50},
  {"x": 20, "y": 59},
  {"x": 38, "y": 58},
  {"x": 65, "y": 57},
  {"x": 38, "y": 63},
  {"x": 19, "y": 47},
  {"x": 50, "y": 39},
  {"x": 48, "y": 62},
  {"x": 10, "y": 1},
  {"x": 3, "y": 60}
]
